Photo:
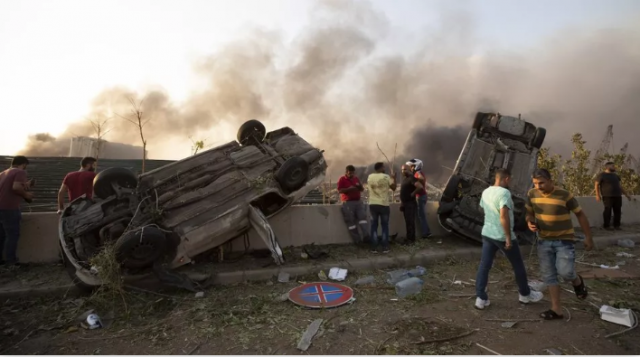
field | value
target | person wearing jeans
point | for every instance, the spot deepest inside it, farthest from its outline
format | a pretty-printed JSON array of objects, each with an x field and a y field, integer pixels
[
  {"x": 498, "y": 235},
  {"x": 13, "y": 189},
  {"x": 549, "y": 213},
  {"x": 379, "y": 184}
]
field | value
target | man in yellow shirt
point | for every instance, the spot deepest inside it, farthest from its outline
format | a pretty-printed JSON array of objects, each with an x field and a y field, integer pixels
[{"x": 379, "y": 184}]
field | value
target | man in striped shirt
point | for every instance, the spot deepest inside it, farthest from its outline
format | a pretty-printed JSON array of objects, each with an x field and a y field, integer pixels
[{"x": 549, "y": 214}]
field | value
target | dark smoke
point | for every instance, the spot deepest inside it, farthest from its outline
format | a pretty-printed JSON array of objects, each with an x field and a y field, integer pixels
[{"x": 334, "y": 87}]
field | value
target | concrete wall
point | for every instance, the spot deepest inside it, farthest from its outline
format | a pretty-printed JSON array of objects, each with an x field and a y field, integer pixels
[{"x": 296, "y": 226}]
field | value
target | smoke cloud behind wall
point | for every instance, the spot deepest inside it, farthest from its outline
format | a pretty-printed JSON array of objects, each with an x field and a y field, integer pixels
[{"x": 334, "y": 86}]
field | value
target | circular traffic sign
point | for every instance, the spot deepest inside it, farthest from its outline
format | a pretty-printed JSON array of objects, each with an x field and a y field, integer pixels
[{"x": 320, "y": 295}]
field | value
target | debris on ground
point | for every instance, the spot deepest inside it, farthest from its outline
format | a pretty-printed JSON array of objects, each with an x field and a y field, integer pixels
[
  {"x": 338, "y": 274},
  {"x": 92, "y": 322},
  {"x": 624, "y": 254},
  {"x": 509, "y": 324},
  {"x": 322, "y": 276},
  {"x": 283, "y": 277},
  {"x": 199, "y": 294},
  {"x": 622, "y": 317},
  {"x": 626, "y": 243},
  {"x": 407, "y": 287},
  {"x": 305, "y": 341}
]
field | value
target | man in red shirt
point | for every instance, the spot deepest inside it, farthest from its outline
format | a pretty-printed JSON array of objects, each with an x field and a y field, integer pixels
[
  {"x": 78, "y": 183},
  {"x": 353, "y": 211},
  {"x": 13, "y": 189}
]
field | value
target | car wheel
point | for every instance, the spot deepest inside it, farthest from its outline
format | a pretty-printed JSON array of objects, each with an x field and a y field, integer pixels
[
  {"x": 141, "y": 248},
  {"x": 251, "y": 130},
  {"x": 538, "y": 138},
  {"x": 102, "y": 183},
  {"x": 451, "y": 190},
  {"x": 293, "y": 173}
]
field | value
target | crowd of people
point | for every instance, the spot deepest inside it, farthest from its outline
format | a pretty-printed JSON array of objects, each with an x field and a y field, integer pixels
[{"x": 548, "y": 206}]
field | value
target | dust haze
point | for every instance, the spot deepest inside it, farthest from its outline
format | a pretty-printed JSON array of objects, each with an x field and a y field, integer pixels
[{"x": 334, "y": 86}]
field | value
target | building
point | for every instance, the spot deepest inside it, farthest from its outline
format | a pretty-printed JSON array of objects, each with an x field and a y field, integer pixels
[{"x": 84, "y": 146}]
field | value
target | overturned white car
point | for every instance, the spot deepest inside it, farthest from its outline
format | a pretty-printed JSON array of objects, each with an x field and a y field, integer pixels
[{"x": 167, "y": 216}]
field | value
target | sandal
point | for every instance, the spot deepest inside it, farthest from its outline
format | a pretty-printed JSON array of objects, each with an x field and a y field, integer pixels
[
  {"x": 551, "y": 315},
  {"x": 581, "y": 290}
]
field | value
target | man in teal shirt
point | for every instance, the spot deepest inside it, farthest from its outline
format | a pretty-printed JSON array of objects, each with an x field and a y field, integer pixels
[{"x": 497, "y": 234}]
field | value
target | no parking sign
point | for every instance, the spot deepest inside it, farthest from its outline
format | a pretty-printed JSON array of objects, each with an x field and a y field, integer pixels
[{"x": 321, "y": 295}]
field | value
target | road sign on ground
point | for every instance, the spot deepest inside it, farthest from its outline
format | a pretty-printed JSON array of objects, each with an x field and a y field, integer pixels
[{"x": 321, "y": 295}]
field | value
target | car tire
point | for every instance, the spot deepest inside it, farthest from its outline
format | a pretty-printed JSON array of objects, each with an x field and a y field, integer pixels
[
  {"x": 136, "y": 252},
  {"x": 293, "y": 174},
  {"x": 538, "y": 138},
  {"x": 450, "y": 192},
  {"x": 121, "y": 176},
  {"x": 251, "y": 130},
  {"x": 477, "y": 122}
]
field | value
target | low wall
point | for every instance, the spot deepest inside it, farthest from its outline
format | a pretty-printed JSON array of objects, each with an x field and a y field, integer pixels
[{"x": 296, "y": 226}]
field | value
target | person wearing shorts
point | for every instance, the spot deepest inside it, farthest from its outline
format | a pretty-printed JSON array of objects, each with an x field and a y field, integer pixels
[{"x": 549, "y": 211}]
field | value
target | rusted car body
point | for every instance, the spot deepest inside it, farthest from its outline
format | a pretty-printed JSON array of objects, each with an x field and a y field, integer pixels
[
  {"x": 172, "y": 214},
  {"x": 495, "y": 141}
]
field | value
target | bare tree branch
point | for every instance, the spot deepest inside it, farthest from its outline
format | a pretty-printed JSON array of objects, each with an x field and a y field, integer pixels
[{"x": 137, "y": 120}]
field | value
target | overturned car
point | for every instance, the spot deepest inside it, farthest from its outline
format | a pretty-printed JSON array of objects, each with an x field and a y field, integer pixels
[
  {"x": 167, "y": 216},
  {"x": 495, "y": 141}
]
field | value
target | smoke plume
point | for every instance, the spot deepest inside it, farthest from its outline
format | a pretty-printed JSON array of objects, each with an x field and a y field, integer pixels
[{"x": 336, "y": 87}]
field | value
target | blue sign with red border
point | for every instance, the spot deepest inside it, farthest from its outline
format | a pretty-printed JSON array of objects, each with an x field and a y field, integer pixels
[{"x": 321, "y": 295}]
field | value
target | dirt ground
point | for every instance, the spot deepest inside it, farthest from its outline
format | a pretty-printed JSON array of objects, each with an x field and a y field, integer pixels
[{"x": 250, "y": 319}]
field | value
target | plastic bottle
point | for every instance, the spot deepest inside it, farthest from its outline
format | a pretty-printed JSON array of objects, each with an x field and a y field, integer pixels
[
  {"x": 418, "y": 271},
  {"x": 408, "y": 287},
  {"x": 397, "y": 276}
]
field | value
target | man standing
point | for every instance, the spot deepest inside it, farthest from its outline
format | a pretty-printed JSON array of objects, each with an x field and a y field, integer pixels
[
  {"x": 548, "y": 213},
  {"x": 408, "y": 190},
  {"x": 416, "y": 167},
  {"x": 610, "y": 191},
  {"x": 13, "y": 189},
  {"x": 379, "y": 185},
  {"x": 78, "y": 183},
  {"x": 353, "y": 211},
  {"x": 498, "y": 234}
]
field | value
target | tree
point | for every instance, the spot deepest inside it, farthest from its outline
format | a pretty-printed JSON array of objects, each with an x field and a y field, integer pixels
[
  {"x": 553, "y": 163},
  {"x": 197, "y": 145},
  {"x": 575, "y": 172},
  {"x": 138, "y": 121},
  {"x": 100, "y": 129}
]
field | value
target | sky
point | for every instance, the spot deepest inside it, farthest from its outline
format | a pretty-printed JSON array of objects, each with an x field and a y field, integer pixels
[{"x": 56, "y": 56}]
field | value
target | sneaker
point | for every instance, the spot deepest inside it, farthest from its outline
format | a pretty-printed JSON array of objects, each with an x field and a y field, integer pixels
[
  {"x": 385, "y": 250},
  {"x": 374, "y": 251},
  {"x": 481, "y": 304},
  {"x": 534, "y": 296},
  {"x": 426, "y": 236}
]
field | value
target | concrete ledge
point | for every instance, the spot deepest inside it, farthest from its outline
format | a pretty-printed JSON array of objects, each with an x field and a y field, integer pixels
[{"x": 424, "y": 258}]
